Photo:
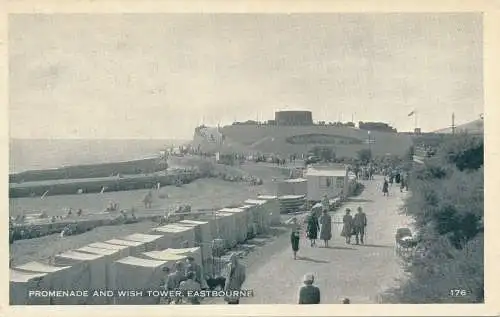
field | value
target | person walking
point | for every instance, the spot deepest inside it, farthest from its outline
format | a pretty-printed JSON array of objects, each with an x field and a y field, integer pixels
[
  {"x": 326, "y": 228},
  {"x": 385, "y": 188},
  {"x": 235, "y": 278},
  {"x": 295, "y": 240},
  {"x": 308, "y": 293},
  {"x": 360, "y": 223},
  {"x": 312, "y": 228},
  {"x": 347, "y": 229}
]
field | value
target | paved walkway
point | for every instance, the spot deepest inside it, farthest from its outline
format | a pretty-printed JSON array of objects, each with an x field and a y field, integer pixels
[{"x": 360, "y": 273}]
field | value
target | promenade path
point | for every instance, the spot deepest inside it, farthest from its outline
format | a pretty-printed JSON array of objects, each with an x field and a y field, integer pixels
[{"x": 359, "y": 272}]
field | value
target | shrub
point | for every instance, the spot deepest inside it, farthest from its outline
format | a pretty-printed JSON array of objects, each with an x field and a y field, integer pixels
[{"x": 447, "y": 203}]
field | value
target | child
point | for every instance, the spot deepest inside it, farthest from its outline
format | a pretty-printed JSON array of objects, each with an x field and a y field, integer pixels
[{"x": 295, "y": 239}]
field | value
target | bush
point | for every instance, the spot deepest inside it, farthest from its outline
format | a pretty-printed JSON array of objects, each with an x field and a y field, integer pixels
[{"x": 447, "y": 203}]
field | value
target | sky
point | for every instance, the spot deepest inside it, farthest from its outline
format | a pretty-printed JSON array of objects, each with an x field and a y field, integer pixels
[{"x": 161, "y": 75}]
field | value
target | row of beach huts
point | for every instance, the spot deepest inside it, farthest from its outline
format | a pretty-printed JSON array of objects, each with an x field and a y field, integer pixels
[{"x": 136, "y": 262}]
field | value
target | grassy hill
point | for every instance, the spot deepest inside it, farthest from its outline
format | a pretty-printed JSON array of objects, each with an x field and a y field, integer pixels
[
  {"x": 473, "y": 127},
  {"x": 345, "y": 141}
]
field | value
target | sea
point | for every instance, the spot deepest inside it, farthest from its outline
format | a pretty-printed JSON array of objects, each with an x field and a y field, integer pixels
[{"x": 36, "y": 154}]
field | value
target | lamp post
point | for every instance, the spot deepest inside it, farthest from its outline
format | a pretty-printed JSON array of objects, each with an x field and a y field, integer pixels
[{"x": 369, "y": 146}]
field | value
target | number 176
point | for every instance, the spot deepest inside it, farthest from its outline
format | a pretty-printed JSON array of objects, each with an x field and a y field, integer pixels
[{"x": 458, "y": 292}]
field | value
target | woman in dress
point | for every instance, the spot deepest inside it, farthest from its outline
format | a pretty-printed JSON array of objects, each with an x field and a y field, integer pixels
[
  {"x": 326, "y": 227},
  {"x": 312, "y": 228},
  {"x": 347, "y": 228},
  {"x": 295, "y": 239},
  {"x": 385, "y": 188}
]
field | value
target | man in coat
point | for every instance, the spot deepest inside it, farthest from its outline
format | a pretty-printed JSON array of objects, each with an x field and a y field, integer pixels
[
  {"x": 235, "y": 277},
  {"x": 360, "y": 223}
]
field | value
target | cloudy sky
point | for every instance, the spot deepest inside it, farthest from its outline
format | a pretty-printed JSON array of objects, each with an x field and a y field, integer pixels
[{"x": 160, "y": 75}]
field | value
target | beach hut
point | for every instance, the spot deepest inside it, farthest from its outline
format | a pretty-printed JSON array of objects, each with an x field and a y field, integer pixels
[
  {"x": 228, "y": 228},
  {"x": 134, "y": 247},
  {"x": 249, "y": 218},
  {"x": 123, "y": 250},
  {"x": 21, "y": 283},
  {"x": 133, "y": 275},
  {"x": 110, "y": 256},
  {"x": 194, "y": 252},
  {"x": 61, "y": 278},
  {"x": 260, "y": 215},
  {"x": 212, "y": 223},
  {"x": 331, "y": 183},
  {"x": 202, "y": 234},
  {"x": 168, "y": 257},
  {"x": 91, "y": 273},
  {"x": 151, "y": 241},
  {"x": 175, "y": 236},
  {"x": 273, "y": 208},
  {"x": 241, "y": 224}
]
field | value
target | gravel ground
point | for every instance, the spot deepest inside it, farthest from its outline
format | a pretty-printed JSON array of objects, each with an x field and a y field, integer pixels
[{"x": 360, "y": 273}]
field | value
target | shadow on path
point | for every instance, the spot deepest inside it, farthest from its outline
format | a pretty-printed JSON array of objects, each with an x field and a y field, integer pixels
[
  {"x": 376, "y": 246},
  {"x": 303, "y": 258},
  {"x": 359, "y": 200},
  {"x": 338, "y": 248}
]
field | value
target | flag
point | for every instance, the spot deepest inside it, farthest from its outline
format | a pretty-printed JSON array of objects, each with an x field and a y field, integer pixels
[{"x": 411, "y": 113}]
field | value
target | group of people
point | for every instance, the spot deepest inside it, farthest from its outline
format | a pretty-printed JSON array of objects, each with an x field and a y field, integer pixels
[
  {"x": 189, "y": 277},
  {"x": 400, "y": 179},
  {"x": 352, "y": 226}
]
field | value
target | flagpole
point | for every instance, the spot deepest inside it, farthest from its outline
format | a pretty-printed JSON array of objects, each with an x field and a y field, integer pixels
[{"x": 416, "y": 120}]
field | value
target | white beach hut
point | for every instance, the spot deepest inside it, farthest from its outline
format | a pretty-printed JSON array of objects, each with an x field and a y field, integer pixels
[
  {"x": 228, "y": 228},
  {"x": 134, "y": 247},
  {"x": 241, "y": 224},
  {"x": 124, "y": 250},
  {"x": 61, "y": 278},
  {"x": 273, "y": 207},
  {"x": 202, "y": 234},
  {"x": 249, "y": 217},
  {"x": 175, "y": 236},
  {"x": 21, "y": 283},
  {"x": 91, "y": 272},
  {"x": 110, "y": 255},
  {"x": 332, "y": 183},
  {"x": 133, "y": 273},
  {"x": 261, "y": 218},
  {"x": 151, "y": 241}
]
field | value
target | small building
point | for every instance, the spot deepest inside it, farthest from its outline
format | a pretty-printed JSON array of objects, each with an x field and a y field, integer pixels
[{"x": 331, "y": 183}]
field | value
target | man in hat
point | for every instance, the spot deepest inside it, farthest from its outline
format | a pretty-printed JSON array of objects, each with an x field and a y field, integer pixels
[{"x": 360, "y": 223}]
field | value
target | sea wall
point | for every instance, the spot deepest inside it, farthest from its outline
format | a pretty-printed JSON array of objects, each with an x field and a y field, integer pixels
[
  {"x": 143, "y": 166},
  {"x": 95, "y": 185}
]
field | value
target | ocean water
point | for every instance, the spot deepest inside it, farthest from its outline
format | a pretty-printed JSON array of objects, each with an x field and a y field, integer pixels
[{"x": 53, "y": 153}]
